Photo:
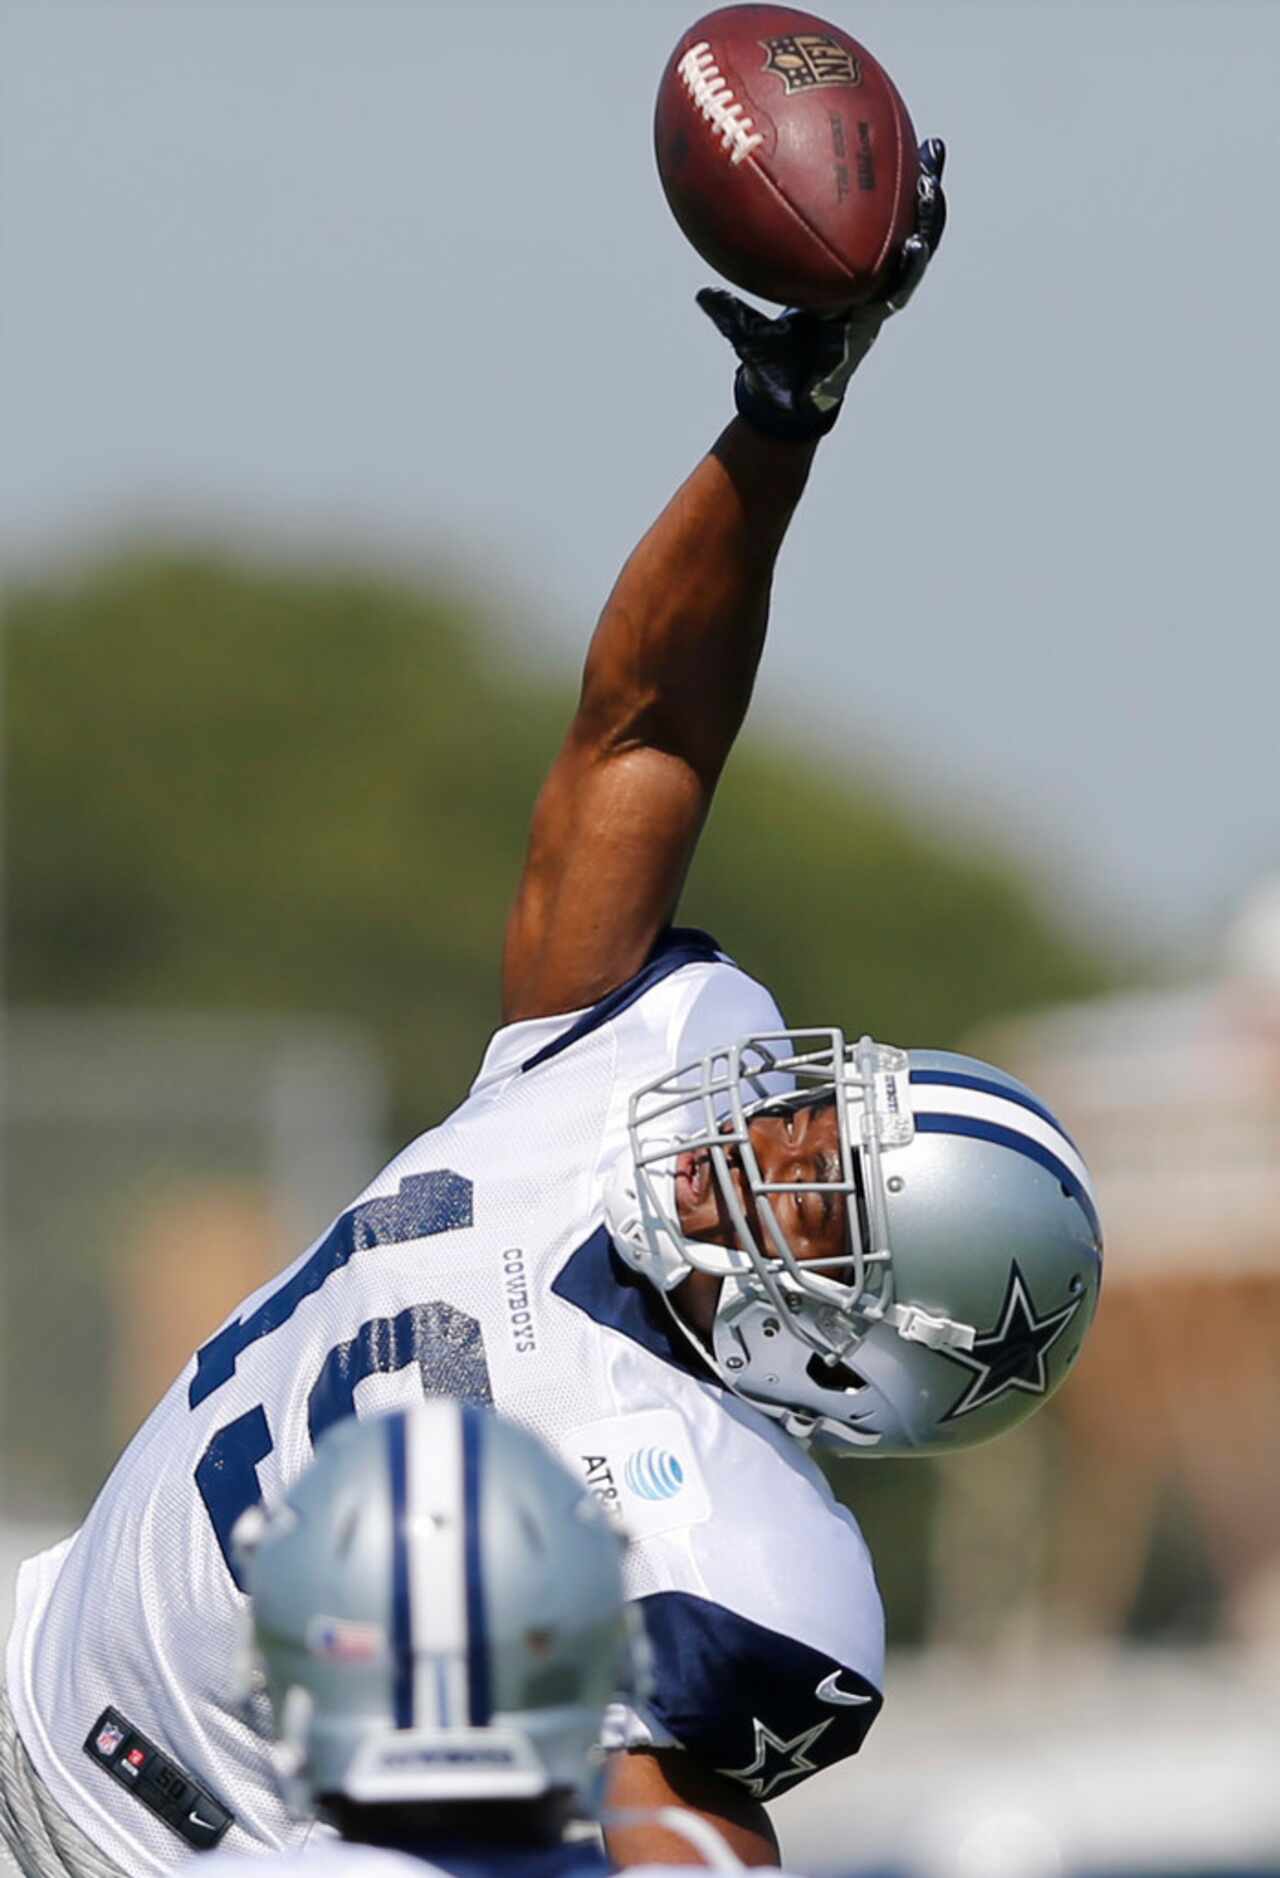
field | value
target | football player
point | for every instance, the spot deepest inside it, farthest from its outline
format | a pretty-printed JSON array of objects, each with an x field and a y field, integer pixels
[
  {"x": 683, "y": 1244},
  {"x": 438, "y": 1622}
]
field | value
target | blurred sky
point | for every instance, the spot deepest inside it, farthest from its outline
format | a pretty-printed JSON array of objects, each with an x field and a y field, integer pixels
[{"x": 400, "y": 280}]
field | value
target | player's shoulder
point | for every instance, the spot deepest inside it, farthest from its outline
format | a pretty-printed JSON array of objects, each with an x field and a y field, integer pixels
[
  {"x": 776, "y": 1513},
  {"x": 687, "y": 998},
  {"x": 733, "y": 1524},
  {"x": 722, "y": 1502},
  {"x": 763, "y": 1617}
]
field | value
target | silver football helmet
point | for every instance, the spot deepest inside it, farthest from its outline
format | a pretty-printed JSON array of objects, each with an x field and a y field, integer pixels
[
  {"x": 437, "y": 1610},
  {"x": 970, "y": 1265}
]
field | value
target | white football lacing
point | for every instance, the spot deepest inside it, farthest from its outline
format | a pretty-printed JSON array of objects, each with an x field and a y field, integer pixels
[{"x": 711, "y": 93}]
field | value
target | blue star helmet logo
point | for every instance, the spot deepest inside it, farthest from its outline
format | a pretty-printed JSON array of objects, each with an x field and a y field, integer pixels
[{"x": 1012, "y": 1356}]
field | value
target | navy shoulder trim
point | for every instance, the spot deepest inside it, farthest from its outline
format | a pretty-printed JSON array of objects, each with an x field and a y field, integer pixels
[
  {"x": 600, "y": 1283},
  {"x": 763, "y": 1708},
  {"x": 677, "y": 946}
]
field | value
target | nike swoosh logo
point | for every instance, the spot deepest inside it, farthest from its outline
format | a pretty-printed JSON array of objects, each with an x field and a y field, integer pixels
[
  {"x": 206, "y": 1825},
  {"x": 827, "y": 1691}
]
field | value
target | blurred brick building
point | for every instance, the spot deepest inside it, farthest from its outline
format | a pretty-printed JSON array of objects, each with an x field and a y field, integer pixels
[{"x": 1148, "y": 1498}]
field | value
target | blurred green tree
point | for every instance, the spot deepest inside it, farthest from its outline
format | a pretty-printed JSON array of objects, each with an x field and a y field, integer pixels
[{"x": 286, "y": 789}]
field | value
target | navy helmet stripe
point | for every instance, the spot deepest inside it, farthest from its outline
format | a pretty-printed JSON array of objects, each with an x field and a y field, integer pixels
[
  {"x": 401, "y": 1611},
  {"x": 479, "y": 1684},
  {"x": 1021, "y": 1144},
  {"x": 956, "y": 1079}
]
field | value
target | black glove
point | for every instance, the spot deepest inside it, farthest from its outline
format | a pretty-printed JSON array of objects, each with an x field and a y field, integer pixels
[{"x": 795, "y": 369}]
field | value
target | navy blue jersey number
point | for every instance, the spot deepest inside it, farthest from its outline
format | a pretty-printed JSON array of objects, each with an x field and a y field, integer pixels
[
  {"x": 423, "y": 1206},
  {"x": 445, "y": 1343}
]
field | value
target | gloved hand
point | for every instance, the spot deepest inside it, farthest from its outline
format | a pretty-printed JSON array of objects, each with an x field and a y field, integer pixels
[{"x": 795, "y": 369}]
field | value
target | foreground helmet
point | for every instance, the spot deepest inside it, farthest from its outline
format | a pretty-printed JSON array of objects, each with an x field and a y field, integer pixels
[
  {"x": 438, "y": 1612},
  {"x": 973, "y": 1256}
]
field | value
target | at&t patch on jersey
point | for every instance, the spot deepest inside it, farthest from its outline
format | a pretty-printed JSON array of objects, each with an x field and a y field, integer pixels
[
  {"x": 156, "y": 1781},
  {"x": 642, "y": 1469}
]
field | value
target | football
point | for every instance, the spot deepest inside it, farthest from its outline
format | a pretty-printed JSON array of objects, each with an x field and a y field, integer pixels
[{"x": 787, "y": 156}]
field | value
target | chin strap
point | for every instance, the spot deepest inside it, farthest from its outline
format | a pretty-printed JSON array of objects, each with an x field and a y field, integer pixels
[
  {"x": 695, "y": 1343},
  {"x": 936, "y": 1333}
]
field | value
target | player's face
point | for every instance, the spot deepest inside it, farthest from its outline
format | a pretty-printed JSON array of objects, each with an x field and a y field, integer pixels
[{"x": 800, "y": 1145}]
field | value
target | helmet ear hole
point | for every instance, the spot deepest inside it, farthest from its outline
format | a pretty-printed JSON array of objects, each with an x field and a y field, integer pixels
[{"x": 833, "y": 1375}]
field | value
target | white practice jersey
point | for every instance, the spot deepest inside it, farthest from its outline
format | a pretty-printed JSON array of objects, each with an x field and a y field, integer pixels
[{"x": 476, "y": 1265}]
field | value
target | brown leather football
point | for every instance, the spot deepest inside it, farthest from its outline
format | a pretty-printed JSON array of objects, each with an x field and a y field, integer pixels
[{"x": 787, "y": 155}]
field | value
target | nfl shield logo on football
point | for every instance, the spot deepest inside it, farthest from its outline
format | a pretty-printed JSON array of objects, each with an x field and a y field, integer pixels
[
  {"x": 109, "y": 1739},
  {"x": 804, "y": 61}
]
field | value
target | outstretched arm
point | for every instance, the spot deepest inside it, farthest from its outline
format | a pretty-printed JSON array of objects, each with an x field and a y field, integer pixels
[
  {"x": 667, "y": 683},
  {"x": 670, "y": 669}
]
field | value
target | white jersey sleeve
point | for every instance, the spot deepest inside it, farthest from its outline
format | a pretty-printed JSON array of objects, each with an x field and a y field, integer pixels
[{"x": 763, "y": 1619}]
